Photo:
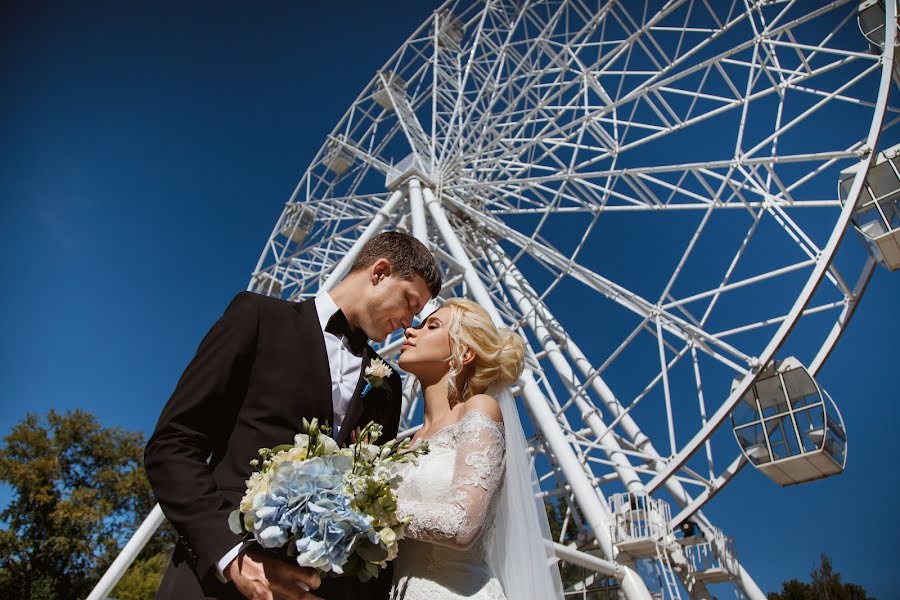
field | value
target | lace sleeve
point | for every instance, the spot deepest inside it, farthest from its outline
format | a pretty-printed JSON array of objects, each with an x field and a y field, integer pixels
[{"x": 457, "y": 521}]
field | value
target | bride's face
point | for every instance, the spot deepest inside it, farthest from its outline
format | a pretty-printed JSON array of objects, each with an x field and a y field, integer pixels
[{"x": 427, "y": 349}]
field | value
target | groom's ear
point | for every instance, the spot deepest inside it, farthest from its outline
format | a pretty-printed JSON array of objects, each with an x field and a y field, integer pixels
[{"x": 380, "y": 269}]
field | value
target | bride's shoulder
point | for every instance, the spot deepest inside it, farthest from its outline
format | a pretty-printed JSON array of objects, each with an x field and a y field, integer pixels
[{"x": 484, "y": 404}]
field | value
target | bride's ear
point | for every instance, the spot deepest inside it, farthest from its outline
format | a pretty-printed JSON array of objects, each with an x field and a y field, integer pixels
[{"x": 468, "y": 356}]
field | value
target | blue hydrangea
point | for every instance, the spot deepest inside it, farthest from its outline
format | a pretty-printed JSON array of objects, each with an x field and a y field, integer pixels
[
  {"x": 306, "y": 503},
  {"x": 329, "y": 529}
]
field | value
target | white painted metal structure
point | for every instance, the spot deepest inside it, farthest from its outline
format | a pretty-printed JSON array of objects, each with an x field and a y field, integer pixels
[
  {"x": 788, "y": 427},
  {"x": 646, "y": 192},
  {"x": 876, "y": 217}
]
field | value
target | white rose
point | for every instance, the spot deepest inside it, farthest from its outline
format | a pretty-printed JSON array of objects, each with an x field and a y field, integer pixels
[
  {"x": 389, "y": 538},
  {"x": 257, "y": 485},
  {"x": 329, "y": 444},
  {"x": 368, "y": 451},
  {"x": 293, "y": 455},
  {"x": 378, "y": 369}
]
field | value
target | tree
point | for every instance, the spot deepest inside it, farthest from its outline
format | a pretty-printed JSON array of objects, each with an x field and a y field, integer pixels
[
  {"x": 826, "y": 585},
  {"x": 79, "y": 491},
  {"x": 142, "y": 579}
]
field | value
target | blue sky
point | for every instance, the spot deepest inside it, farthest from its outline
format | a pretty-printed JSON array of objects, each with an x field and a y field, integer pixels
[{"x": 146, "y": 150}]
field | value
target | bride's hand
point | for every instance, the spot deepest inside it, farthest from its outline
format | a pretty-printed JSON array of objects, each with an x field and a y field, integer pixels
[{"x": 260, "y": 576}]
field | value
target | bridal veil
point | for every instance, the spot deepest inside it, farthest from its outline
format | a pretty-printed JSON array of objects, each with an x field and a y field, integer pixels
[{"x": 518, "y": 548}]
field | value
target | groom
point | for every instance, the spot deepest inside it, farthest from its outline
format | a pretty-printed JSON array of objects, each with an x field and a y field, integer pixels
[{"x": 262, "y": 367}]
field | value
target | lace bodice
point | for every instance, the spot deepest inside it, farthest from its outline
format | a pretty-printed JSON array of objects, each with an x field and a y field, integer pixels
[{"x": 448, "y": 493}]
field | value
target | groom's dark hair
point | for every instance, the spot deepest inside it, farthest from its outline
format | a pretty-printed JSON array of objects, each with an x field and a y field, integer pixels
[{"x": 408, "y": 256}]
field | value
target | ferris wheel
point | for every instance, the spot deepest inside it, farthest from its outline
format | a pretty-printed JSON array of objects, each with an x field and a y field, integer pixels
[{"x": 654, "y": 196}]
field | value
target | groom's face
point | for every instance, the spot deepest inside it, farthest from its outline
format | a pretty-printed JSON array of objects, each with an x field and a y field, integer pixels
[{"x": 391, "y": 304}]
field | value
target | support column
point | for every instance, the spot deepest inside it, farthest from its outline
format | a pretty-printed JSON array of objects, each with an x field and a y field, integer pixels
[
  {"x": 610, "y": 444},
  {"x": 542, "y": 314},
  {"x": 589, "y": 412},
  {"x": 417, "y": 210},
  {"x": 130, "y": 552},
  {"x": 593, "y": 506}
]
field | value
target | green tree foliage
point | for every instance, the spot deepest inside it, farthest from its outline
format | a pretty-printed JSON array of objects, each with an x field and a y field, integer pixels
[
  {"x": 826, "y": 584},
  {"x": 142, "y": 579},
  {"x": 79, "y": 491}
]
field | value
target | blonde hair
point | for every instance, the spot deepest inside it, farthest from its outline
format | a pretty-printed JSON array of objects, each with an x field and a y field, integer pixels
[{"x": 499, "y": 353}]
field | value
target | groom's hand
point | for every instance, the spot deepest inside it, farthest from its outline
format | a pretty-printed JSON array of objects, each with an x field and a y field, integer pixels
[{"x": 259, "y": 576}]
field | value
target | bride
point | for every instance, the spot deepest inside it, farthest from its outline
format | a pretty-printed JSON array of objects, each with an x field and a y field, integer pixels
[{"x": 476, "y": 529}]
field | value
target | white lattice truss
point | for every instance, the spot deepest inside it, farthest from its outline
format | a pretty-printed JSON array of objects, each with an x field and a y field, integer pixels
[
  {"x": 704, "y": 137},
  {"x": 647, "y": 193}
]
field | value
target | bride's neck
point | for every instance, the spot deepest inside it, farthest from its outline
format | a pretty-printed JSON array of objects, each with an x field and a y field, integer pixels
[{"x": 437, "y": 406}]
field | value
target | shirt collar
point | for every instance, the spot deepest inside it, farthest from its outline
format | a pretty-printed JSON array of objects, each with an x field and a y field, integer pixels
[{"x": 325, "y": 307}]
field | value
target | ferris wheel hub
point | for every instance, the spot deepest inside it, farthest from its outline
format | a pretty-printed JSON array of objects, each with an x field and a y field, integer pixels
[{"x": 411, "y": 166}]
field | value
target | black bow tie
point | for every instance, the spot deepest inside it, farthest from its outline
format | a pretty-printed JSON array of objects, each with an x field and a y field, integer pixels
[{"x": 339, "y": 326}]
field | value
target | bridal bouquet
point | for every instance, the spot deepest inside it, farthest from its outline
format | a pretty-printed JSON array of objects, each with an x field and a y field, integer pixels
[{"x": 326, "y": 507}]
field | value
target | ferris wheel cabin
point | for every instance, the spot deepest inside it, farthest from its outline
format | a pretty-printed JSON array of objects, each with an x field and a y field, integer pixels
[
  {"x": 391, "y": 84},
  {"x": 788, "y": 428},
  {"x": 870, "y": 17},
  {"x": 298, "y": 221},
  {"x": 450, "y": 30},
  {"x": 877, "y": 213}
]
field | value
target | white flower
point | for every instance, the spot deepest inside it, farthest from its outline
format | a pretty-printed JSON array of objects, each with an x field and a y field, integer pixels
[
  {"x": 296, "y": 454},
  {"x": 368, "y": 452},
  {"x": 258, "y": 484},
  {"x": 389, "y": 539},
  {"x": 378, "y": 369},
  {"x": 301, "y": 442}
]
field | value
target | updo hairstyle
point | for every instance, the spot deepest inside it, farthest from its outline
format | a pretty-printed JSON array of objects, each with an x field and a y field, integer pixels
[{"x": 499, "y": 353}]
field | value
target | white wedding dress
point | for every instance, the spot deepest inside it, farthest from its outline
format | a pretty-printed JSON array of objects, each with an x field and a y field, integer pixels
[{"x": 449, "y": 495}]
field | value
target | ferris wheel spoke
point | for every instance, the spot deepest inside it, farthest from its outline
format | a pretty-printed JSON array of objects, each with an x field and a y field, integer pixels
[
  {"x": 459, "y": 101},
  {"x": 614, "y": 292},
  {"x": 663, "y": 129},
  {"x": 525, "y": 89},
  {"x": 365, "y": 203},
  {"x": 706, "y": 167},
  {"x": 566, "y": 85},
  {"x": 774, "y": 321},
  {"x": 811, "y": 110},
  {"x": 772, "y": 274},
  {"x": 593, "y": 375},
  {"x": 488, "y": 80}
]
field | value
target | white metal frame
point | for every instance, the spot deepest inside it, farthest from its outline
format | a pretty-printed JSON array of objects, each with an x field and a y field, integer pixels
[{"x": 519, "y": 138}]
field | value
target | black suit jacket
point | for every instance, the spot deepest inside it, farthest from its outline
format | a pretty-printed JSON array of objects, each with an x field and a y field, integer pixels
[{"x": 261, "y": 369}]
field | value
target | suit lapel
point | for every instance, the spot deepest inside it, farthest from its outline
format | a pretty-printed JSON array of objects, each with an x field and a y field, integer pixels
[
  {"x": 317, "y": 370},
  {"x": 357, "y": 402}
]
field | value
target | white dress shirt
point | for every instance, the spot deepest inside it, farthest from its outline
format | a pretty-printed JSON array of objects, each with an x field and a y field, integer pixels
[{"x": 344, "y": 367}]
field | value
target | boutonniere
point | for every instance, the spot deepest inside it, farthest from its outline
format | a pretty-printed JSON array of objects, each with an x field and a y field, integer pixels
[{"x": 376, "y": 373}]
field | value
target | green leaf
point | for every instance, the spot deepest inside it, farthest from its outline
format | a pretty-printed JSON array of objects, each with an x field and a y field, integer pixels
[
  {"x": 371, "y": 552},
  {"x": 371, "y": 569}
]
